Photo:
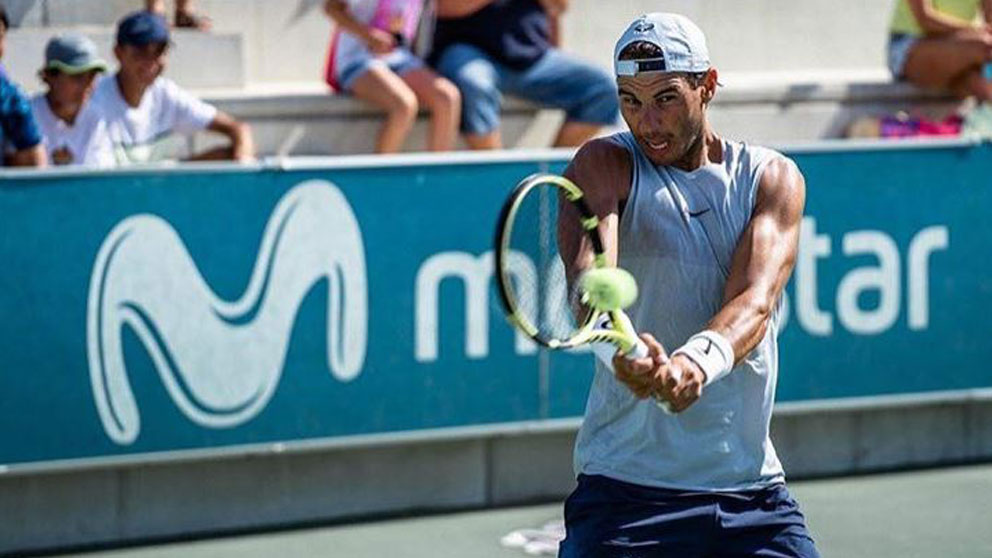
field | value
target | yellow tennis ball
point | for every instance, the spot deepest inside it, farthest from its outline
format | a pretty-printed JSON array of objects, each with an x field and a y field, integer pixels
[{"x": 608, "y": 288}]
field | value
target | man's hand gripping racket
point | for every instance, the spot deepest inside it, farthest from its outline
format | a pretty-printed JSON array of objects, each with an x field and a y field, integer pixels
[
  {"x": 532, "y": 283},
  {"x": 609, "y": 291}
]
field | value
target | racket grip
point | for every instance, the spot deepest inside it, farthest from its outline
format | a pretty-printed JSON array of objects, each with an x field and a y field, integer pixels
[{"x": 640, "y": 350}]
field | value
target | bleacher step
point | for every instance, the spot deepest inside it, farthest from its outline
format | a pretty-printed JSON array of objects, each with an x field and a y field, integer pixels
[{"x": 197, "y": 60}]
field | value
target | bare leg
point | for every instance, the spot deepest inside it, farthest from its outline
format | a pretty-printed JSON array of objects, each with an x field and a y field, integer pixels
[
  {"x": 939, "y": 62},
  {"x": 478, "y": 142},
  {"x": 157, "y": 6},
  {"x": 187, "y": 17},
  {"x": 444, "y": 101},
  {"x": 384, "y": 89},
  {"x": 574, "y": 134},
  {"x": 972, "y": 84}
]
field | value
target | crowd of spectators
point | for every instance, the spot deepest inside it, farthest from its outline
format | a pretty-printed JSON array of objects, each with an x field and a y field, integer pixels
[
  {"x": 944, "y": 45},
  {"x": 478, "y": 50},
  {"x": 454, "y": 58},
  {"x": 89, "y": 116}
]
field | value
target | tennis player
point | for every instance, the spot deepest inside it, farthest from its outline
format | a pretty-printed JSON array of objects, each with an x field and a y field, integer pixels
[{"x": 709, "y": 228}]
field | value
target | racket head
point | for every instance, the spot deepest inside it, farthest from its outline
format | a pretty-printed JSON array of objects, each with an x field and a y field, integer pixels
[{"x": 529, "y": 272}]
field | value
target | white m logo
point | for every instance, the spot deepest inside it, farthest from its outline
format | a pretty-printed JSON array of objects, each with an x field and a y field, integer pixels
[{"x": 221, "y": 361}]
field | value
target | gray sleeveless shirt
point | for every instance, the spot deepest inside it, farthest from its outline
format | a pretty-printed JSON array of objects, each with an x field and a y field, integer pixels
[{"x": 677, "y": 236}]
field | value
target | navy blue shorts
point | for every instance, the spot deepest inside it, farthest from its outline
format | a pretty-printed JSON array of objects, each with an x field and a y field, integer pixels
[{"x": 612, "y": 519}]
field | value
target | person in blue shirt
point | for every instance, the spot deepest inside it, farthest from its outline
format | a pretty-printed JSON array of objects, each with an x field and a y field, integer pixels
[
  {"x": 19, "y": 136},
  {"x": 491, "y": 47}
]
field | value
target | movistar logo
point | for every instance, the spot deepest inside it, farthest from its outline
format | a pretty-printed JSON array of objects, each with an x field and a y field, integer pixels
[
  {"x": 222, "y": 360},
  {"x": 643, "y": 26}
]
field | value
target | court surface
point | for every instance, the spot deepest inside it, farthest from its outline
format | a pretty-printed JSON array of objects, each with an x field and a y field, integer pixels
[{"x": 944, "y": 513}]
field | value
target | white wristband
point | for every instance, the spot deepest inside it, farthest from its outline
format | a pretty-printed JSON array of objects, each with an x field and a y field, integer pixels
[{"x": 711, "y": 351}]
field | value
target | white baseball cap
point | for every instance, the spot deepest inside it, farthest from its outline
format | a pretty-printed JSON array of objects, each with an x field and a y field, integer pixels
[{"x": 681, "y": 41}]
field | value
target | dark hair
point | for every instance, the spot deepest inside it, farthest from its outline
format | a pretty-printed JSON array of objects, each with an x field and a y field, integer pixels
[
  {"x": 640, "y": 50},
  {"x": 3, "y": 18}
]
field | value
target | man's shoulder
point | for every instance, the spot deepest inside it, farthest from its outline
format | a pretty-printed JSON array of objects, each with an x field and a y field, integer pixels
[
  {"x": 754, "y": 150},
  {"x": 606, "y": 153},
  {"x": 104, "y": 84},
  {"x": 164, "y": 84},
  {"x": 780, "y": 179},
  {"x": 167, "y": 94},
  {"x": 39, "y": 106},
  {"x": 602, "y": 165},
  {"x": 38, "y": 100},
  {"x": 755, "y": 159},
  {"x": 106, "y": 92}
]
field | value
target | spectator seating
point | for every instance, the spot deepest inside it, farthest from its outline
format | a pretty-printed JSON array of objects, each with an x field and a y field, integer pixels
[{"x": 795, "y": 73}]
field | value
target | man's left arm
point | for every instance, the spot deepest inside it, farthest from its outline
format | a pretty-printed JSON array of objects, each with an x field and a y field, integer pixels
[{"x": 761, "y": 265}]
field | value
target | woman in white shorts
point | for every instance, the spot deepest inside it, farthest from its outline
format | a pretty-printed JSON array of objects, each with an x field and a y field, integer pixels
[
  {"x": 371, "y": 59},
  {"x": 944, "y": 45}
]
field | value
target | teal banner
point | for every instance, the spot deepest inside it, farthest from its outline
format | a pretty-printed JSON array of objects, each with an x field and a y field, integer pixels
[{"x": 165, "y": 310}]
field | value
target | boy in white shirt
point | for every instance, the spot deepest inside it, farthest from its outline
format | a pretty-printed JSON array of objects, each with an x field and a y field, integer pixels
[
  {"x": 72, "y": 130},
  {"x": 142, "y": 108}
]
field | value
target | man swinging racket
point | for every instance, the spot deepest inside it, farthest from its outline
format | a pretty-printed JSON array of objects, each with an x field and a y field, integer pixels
[{"x": 709, "y": 228}]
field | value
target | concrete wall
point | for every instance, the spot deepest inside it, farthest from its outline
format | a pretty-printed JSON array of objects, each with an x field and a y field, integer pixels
[
  {"x": 267, "y": 489},
  {"x": 790, "y": 109}
]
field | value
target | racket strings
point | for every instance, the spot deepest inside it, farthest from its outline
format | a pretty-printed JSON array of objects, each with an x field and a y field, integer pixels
[{"x": 535, "y": 268}]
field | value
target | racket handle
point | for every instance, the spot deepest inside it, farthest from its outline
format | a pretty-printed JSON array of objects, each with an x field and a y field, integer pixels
[{"x": 640, "y": 350}]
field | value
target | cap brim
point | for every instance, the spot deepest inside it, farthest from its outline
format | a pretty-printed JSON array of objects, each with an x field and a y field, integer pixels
[{"x": 98, "y": 65}]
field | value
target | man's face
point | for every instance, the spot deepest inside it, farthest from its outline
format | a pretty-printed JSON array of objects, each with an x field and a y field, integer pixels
[
  {"x": 665, "y": 113},
  {"x": 69, "y": 89},
  {"x": 3, "y": 37},
  {"x": 142, "y": 64}
]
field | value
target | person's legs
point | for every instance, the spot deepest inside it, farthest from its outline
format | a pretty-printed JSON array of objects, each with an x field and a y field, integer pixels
[
  {"x": 384, "y": 89},
  {"x": 478, "y": 80},
  {"x": 605, "y": 518},
  {"x": 186, "y": 16},
  {"x": 949, "y": 62},
  {"x": 763, "y": 523},
  {"x": 441, "y": 97},
  {"x": 586, "y": 94},
  {"x": 972, "y": 83}
]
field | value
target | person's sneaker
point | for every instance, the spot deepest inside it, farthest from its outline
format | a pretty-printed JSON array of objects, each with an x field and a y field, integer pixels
[{"x": 978, "y": 122}]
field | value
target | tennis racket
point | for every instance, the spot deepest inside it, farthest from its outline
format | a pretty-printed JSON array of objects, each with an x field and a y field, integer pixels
[{"x": 532, "y": 281}]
